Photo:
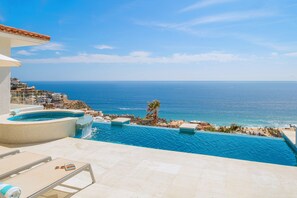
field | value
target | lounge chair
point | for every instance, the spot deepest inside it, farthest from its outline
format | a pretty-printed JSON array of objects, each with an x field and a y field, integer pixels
[
  {"x": 7, "y": 151},
  {"x": 45, "y": 177},
  {"x": 16, "y": 163}
]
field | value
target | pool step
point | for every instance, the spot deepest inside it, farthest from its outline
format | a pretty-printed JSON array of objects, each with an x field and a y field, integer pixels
[
  {"x": 188, "y": 127},
  {"x": 120, "y": 121}
]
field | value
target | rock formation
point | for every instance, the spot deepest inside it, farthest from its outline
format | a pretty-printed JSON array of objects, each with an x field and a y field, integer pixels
[{"x": 75, "y": 104}]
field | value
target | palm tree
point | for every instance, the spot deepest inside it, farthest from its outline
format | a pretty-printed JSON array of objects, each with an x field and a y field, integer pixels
[{"x": 153, "y": 110}]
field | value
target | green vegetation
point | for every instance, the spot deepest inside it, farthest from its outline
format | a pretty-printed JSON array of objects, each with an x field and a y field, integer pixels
[
  {"x": 210, "y": 128},
  {"x": 273, "y": 132},
  {"x": 225, "y": 129},
  {"x": 153, "y": 111},
  {"x": 230, "y": 129},
  {"x": 234, "y": 128}
]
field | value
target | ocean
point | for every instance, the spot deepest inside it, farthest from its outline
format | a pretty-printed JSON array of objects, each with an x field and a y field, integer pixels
[{"x": 221, "y": 103}]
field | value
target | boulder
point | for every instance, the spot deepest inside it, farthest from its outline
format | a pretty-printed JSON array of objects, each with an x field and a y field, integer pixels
[
  {"x": 162, "y": 124},
  {"x": 175, "y": 123},
  {"x": 204, "y": 125}
]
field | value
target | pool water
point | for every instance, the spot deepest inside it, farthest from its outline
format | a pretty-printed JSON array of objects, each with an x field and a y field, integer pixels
[
  {"x": 244, "y": 147},
  {"x": 44, "y": 116}
]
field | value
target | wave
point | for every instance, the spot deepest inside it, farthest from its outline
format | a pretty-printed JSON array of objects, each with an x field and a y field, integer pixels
[{"x": 130, "y": 109}]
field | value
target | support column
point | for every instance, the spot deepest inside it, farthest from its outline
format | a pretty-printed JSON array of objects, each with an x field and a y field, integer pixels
[{"x": 4, "y": 78}]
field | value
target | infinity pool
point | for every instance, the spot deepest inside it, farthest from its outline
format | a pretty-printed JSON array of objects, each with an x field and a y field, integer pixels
[{"x": 251, "y": 148}]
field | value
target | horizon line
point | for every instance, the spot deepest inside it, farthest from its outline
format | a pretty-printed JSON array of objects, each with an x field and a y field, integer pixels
[{"x": 159, "y": 80}]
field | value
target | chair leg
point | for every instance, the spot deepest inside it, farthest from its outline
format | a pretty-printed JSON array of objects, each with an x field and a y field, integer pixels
[{"x": 92, "y": 174}]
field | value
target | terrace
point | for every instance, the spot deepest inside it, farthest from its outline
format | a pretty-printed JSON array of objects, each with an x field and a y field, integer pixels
[{"x": 131, "y": 171}]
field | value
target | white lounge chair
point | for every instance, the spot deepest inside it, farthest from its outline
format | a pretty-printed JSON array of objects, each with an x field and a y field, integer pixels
[
  {"x": 16, "y": 163},
  {"x": 7, "y": 151},
  {"x": 45, "y": 177}
]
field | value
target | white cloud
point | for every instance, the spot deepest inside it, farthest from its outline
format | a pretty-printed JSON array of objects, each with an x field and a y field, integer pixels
[
  {"x": 102, "y": 47},
  {"x": 203, "y": 4},
  {"x": 140, "y": 58},
  {"x": 174, "y": 27},
  {"x": 291, "y": 54},
  {"x": 226, "y": 17},
  {"x": 274, "y": 54},
  {"x": 140, "y": 54},
  {"x": 271, "y": 45},
  {"x": 24, "y": 53},
  {"x": 274, "y": 45},
  {"x": 49, "y": 47},
  {"x": 188, "y": 26}
]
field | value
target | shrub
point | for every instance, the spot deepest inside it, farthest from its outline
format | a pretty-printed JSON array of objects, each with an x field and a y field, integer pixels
[
  {"x": 273, "y": 132},
  {"x": 229, "y": 129},
  {"x": 235, "y": 127},
  {"x": 210, "y": 128}
]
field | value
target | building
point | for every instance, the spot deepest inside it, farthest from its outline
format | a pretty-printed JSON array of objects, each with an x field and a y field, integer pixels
[
  {"x": 43, "y": 99},
  {"x": 9, "y": 38},
  {"x": 56, "y": 97}
]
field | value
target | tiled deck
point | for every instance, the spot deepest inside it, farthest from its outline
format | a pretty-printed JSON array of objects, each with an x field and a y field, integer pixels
[{"x": 128, "y": 171}]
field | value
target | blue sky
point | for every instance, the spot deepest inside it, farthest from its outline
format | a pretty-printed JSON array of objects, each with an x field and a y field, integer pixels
[{"x": 157, "y": 39}]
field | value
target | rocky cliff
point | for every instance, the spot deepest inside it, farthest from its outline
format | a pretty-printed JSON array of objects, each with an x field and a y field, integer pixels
[{"x": 75, "y": 104}]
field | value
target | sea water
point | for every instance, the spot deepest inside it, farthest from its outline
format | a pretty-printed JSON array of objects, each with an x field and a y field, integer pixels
[{"x": 221, "y": 103}]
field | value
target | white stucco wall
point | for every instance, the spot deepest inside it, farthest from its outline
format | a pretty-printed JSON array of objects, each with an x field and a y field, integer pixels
[{"x": 4, "y": 78}]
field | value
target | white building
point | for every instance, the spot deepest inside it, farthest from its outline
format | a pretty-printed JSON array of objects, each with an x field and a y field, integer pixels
[
  {"x": 56, "y": 96},
  {"x": 30, "y": 100},
  {"x": 12, "y": 37},
  {"x": 43, "y": 99}
]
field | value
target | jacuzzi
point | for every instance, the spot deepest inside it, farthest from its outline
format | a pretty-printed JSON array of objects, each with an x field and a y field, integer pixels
[{"x": 38, "y": 126}]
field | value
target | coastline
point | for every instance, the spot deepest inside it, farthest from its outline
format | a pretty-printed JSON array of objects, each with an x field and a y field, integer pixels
[
  {"x": 270, "y": 104},
  {"x": 202, "y": 126},
  {"x": 65, "y": 103}
]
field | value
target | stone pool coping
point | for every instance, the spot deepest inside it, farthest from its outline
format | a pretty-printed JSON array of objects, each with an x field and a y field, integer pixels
[
  {"x": 39, "y": 131},
  {"x": 4, "y": 118},
  {"x": 130, "y": 171},
  {"x": 290, "y": 138}
]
